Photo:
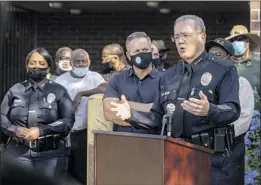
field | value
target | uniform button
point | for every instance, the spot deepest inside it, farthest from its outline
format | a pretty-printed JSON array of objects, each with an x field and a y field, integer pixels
[
  {"x": 212, "y": 58},
  {"x": 50, "y": 82}
]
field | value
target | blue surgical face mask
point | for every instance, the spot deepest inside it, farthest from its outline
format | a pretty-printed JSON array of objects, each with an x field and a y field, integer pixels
[
  {"x": 81, "y": 72},
  {"x": 239, "y": 47}
]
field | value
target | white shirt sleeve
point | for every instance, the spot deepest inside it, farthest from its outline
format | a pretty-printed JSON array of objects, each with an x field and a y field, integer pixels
[
  {"x": 98, "y": 79},
  {"x": 62, "y": 80},
  {"x": 246, "y": 98}
]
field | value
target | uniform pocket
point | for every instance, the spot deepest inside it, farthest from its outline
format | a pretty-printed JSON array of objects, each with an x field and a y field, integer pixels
[
  {"x": 18, "y": 109},
  {"x": 49, "y": 111},
  {"x": 51, "y": 106}
]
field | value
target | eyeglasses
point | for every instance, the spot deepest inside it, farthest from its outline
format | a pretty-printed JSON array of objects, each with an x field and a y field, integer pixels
[
  {"x": 220, "y": 55},
  {"x": 184, "y": 36},
  {"x": 240, "y": 38}
]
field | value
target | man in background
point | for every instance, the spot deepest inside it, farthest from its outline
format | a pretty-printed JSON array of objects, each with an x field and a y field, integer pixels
[
  {"x": 63, "y": 62},
  {"x": 163, "y": 54},
  {"x": 113, "y": 56},
  {"x": 224, "y": 49},
  {"x": 248, "y": 66},
  {"x": 156, "y": 62}
]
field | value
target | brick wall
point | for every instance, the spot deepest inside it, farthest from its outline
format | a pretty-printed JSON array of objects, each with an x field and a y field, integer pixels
[
  {"x": 255, "y": 19},
  {"x": 93, "y": 31}
]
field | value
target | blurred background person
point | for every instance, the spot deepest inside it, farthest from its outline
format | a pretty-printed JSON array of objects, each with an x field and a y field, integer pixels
[
  {"x": 224, "y": 49},
  {"x": 156, "y": 62},
  {"x": 80, "y": 83},
  {"x": 163, "y": 53},
  {"x": 248, "y": 66},
  {"x": 247, "y": 63},
  {"x": 63, "y": 62},
  {"x": 114, "y": 57}
]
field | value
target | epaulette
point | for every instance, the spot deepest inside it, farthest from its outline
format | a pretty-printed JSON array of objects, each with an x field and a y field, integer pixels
[{"x": 225, "y": 63}]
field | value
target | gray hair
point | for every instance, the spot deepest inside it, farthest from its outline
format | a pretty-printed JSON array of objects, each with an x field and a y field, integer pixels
[
  {"x": 199, "y": 23},
  {"x": 136, "y": 35},
  {"x": 60, "y": 51}
]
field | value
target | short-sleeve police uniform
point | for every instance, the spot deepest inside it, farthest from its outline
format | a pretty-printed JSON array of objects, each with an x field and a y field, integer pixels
[
  {"x": 218, "y": 80},
  {"x": 136, "y": 90},
  {"x": 47, "y": 106}
]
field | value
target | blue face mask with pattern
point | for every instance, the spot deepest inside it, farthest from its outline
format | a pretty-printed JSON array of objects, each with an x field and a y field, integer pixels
[{"x": 239, "y": 47}]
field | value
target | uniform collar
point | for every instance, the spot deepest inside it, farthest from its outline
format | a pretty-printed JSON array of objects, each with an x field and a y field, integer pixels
[
  {"x": 30, "y": 84},
  {"x": 152, "y": 74},
  {"x": 194, "y": 65}
]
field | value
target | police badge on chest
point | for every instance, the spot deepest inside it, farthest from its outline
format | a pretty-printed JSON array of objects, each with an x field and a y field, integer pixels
[{"x": 50, "y": 99}]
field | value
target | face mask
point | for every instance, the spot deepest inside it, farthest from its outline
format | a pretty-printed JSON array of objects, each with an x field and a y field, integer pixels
[
  {"x": 239, "y": 47},
  {"x": 163, "y": 55},
  {"x": 65, "y": 65},
  {"x": 110, "y": 65},
  {"x": 156, "y": 62},
  {"x": 113, "y": 60},
  {"x": 37, "y": 74},
  {"x": 141, "y": 60},
  {"x": 81, "y": 72}
]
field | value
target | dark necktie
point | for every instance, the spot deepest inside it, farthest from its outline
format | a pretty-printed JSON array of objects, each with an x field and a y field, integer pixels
[
  {"x": 177, "y": 124},
  {"x": 33, "y": 109}
]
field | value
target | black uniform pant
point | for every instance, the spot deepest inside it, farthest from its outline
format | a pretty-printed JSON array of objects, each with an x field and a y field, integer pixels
[
  {"x": 229, "y": 170},
  {"x": 51, "y": 164}
]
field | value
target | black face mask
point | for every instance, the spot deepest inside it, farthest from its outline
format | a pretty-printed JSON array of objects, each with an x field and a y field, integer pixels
[
  {"x": 156, "y": 62},
  {"x": 141, "y": 60},
  {"x": 110, "y": 65},
  {"x": 37, "y": 74},
  {"x": 163, "y": 55}
]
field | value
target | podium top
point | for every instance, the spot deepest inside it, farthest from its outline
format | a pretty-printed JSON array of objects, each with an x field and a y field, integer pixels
[{"x": 150, "y": 136}]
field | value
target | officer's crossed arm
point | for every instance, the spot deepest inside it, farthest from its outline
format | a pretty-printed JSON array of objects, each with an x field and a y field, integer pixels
[{"x": 66, "y": 116}]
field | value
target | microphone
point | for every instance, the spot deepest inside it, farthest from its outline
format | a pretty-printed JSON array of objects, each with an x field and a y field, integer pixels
[{"x": 170, "y": 110}]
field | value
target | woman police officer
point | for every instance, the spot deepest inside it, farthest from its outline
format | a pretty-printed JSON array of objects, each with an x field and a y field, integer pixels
[{"x": 38, "y": 114}]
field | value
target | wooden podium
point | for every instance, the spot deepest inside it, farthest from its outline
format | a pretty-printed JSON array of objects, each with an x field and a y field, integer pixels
[{"x": 141, "y": 159}]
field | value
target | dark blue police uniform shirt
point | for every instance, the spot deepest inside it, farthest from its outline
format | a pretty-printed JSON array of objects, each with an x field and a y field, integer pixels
[
  {"x": 222, "y": 93},
  {"x": 136, "y": 90},
  {"x": 56, "y": 113}
]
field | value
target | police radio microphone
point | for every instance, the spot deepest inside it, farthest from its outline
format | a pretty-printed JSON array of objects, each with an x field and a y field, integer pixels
[{"x": 170, "y": 110}]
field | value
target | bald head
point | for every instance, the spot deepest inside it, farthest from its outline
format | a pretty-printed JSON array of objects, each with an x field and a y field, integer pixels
[{"x": 80, "y": 58}]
